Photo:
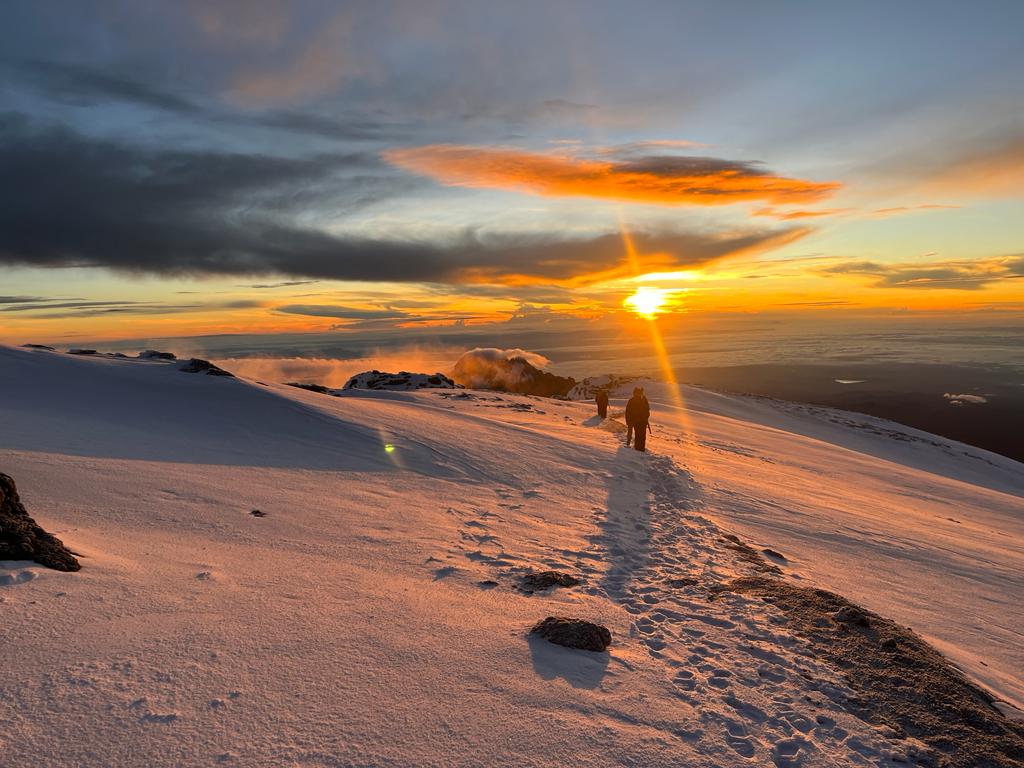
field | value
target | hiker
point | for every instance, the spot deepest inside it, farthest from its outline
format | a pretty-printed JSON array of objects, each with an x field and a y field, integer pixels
[
  {"x": 601, "y": 398},
  {"x": 638, "y": 417}
]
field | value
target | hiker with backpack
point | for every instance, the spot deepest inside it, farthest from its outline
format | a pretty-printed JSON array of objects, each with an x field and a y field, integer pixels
[{"x": 638, "y": 419}]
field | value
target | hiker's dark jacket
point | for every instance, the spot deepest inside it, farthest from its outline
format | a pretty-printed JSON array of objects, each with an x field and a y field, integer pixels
[
  {"x": 638, "y": 410},
  {"x": 601, "y": 398}
]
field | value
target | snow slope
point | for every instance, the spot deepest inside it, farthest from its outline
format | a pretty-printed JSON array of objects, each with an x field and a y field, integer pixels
[{"x": 351, "y": 624}]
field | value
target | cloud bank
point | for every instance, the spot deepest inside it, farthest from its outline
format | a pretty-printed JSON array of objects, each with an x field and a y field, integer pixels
[{"x": 73, "y": 200}]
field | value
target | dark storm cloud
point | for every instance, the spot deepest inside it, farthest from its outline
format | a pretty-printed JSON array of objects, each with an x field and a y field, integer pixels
[{"x": 69, "y": 200}]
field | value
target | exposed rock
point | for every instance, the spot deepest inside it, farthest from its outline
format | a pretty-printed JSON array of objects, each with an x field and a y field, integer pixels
[
  {"x": 39, "y": 346},
  {"x": 22, "y": 539},
  {"x": 538, "y": 582},
  {"x": 851, "y": 614},
  {"x": 573, "y": 633},
  {"x": 78, "y": 351},
  {"x": 195, "y": 365},
  {"x": 152, "y": 354},
  {"x": 611, "y": 383},
  {"x": 515, "y": 374},
  {"x": 258, "y": 513},
  {"x": 900, "y": 680},
  {"x": 318, "y": 388},
  {"x": 401, "y": 381},
  {"x": 749, "y": 555},
  {"x": 776, "y": 555}
]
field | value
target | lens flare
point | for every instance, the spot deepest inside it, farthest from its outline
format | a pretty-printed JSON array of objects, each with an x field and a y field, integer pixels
[{"x": 648, "y": 302}]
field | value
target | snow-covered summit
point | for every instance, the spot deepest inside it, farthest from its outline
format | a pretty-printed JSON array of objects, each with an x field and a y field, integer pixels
[{"x": 369, "y": 613}]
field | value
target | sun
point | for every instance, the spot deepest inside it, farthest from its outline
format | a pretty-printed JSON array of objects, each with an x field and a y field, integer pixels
[{"x": 648, "y": 302}]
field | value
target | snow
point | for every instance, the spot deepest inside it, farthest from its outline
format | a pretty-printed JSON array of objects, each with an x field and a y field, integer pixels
[{"x": 349, "y": 626}]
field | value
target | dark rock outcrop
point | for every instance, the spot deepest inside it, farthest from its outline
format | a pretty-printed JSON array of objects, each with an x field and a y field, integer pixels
[
  {"x": 39, "y": 346},
  {"x": 22, "y": 539},
  {"x": 516, "y": 375},
  {"x": 539, "y": 581},
  {"x": 195, "y": 365},
  {"x": 401, "y": 381},
  {"x": 81, "y": 351},
  {"x": 573, "y": 633},
  {"x": 153, "y": 354},
  {"x": 900, "y": 681},
  {"x": 318, "y": 388}
]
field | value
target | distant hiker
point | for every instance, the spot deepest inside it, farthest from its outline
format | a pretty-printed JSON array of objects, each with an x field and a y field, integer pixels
[
  {"x": 638, "y": 417},
  {"x": 601, "y": 398}
]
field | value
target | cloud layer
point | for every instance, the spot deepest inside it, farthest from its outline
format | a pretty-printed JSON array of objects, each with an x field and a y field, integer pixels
[
  {"x": 142, "y": 209},
  {"x": 938, "y": 275},
  {"x": 665, "y": 179}
]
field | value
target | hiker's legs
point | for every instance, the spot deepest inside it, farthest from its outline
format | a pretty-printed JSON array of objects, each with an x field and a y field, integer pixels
[
  {"x": 641, "y": 437},
  {"x": 629, "y": 433}
]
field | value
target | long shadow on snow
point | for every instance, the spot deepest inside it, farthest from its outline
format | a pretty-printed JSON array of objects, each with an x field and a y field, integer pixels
[
  {"x": 626, "y": 527},
  {"x": 629, "y": 535}
]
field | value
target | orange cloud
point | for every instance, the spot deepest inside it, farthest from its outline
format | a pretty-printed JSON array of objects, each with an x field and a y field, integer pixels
[
  {"x": 792, "y": 215},
  {"x": 662, "y": 179},
  {"x": 896, "y": 210}
]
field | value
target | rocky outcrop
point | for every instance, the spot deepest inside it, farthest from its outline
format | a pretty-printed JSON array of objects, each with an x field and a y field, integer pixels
[
  {"x": 573, "y": 633},
  {"x": 153, "y": 354},
  {"x": 195, "y": 365},
  {"x": 514, "y": 374},
  {"x": 318, "y": 388},
  {"x": 22, "y": 539},
  {"x": 401, "y": 381},
  {"x": 542, "y": 580}
]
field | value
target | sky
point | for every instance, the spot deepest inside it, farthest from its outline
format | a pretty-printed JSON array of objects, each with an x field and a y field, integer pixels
[{"x": 256, "y": 167}]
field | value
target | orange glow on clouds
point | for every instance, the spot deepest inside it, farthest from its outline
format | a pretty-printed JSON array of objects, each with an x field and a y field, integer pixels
[{"x": 667, "y": 180}]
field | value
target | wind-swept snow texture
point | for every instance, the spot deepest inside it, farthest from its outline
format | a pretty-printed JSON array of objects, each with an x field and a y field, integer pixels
[{"x": 371, "y": 616}]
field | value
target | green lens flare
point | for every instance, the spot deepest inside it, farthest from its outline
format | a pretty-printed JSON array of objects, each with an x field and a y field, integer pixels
[{"x": 389, "y": 447}]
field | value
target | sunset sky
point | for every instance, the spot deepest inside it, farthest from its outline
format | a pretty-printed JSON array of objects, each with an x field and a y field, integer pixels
[{"x": 175, "y": 168}]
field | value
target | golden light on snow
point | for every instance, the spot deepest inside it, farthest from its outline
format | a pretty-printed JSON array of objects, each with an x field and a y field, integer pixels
[{"x": 647, "y": 301}]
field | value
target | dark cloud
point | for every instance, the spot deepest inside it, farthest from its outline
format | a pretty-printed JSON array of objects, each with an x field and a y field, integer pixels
[
  {"x": 88, "y": 86},
  {"x": 950, "y": 275},
  {"x": 342, "y": 313},
  {"x": 283, "y": 284},
  {"x": 81, "y": 85},
  {"x": 51, "y": 304},
  {"x": 69, "y": 200}
]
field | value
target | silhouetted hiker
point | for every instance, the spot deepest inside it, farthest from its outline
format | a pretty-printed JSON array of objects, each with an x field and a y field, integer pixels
[
  {"x": 601, "y": 398},
  {"x": 638, "y": 417}
]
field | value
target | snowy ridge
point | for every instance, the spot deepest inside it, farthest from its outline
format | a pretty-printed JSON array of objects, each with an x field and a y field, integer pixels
[{"x": 370, "y": 618}]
